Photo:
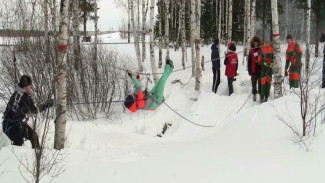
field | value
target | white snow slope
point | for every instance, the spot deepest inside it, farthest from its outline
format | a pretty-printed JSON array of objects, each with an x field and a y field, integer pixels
[{"x": 251, "y": 146}]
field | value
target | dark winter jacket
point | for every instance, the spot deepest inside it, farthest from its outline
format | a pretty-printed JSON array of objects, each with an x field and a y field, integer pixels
[
  {"x": 322, "y": 39},
  {"x": 21, "y": 104},
  {"x": 252, "y": 59},
  {"x": 215, "y": 57}
]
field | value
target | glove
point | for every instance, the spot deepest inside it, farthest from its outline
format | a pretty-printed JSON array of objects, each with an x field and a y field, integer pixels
[
  {"x": 286, "y": 73},
  {"x": 47, "y": 104},
  {"x": 129, "y": 73}
]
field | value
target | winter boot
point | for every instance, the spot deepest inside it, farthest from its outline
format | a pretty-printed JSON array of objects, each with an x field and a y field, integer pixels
[
  {"x": 261, "y": 100},
  {"x": 254, "y": 97},
  {"x": 169, "y": 62}
]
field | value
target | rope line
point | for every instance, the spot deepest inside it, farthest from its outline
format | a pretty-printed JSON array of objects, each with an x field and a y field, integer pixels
[{"x": 173, "y": 110}]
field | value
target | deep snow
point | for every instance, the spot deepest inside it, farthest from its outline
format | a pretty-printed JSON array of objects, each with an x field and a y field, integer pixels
[{"x": 249, "y": 146}]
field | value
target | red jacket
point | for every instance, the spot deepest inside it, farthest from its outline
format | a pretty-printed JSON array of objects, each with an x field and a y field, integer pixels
[{"x": 231, "y": 63}]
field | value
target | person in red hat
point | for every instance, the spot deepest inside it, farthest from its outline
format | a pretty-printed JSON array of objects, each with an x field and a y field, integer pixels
[{"x": 231, "y": 62}]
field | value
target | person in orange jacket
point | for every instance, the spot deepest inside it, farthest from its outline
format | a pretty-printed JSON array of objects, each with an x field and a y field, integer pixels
[
  {"x": 265, "y": 59},
  {"x": 148, "y": 100},
  {"x": 293, "y": 59}
]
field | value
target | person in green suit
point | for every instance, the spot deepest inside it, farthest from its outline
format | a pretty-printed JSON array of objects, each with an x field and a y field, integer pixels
[{"x": 142, "y": 100}]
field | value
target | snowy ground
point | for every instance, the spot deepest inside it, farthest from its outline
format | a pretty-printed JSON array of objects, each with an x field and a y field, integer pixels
[{"x": 249, "y": 146}]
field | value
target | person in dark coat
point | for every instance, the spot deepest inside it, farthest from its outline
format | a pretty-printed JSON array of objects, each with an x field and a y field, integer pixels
[
  {"x": 231, "y": 62},
  {"x": 215, "y": 57},
  {"x": 254, "y": 68},
  {"x": 20, "y": 106},
  {"x": 322, "y": 40}
]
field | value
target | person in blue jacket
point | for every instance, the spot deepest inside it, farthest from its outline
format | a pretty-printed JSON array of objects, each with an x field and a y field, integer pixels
[{"x": 215, "y": 57}]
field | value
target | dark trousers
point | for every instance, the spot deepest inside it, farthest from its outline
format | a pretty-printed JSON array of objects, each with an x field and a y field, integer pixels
[
  {"x": 230, "y": 87},
  {"x": 216, "y": 80},
  {"x": 256, "y": 84},
  {"x": 323, "y": 83},
  {"x": 18, "y": 133}
]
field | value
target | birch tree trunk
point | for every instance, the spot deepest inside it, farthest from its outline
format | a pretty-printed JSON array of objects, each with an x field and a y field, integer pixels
[
  {"x": 144, "y": 19},
  {"x": 276, "y": 44},
  {"x": 223, "y": 19},
  {"x": 245, "y": 32},
  {"x": 227, "y": 20},
  {"x": 76, "y": 41},
  {"x": 167, "y": 26},
  {"x": 248, "y": 26},
  {"x": 286, "y": 16},
  {"x": 193, "y": 34},
  {"x": 152, "y": 46},
  {"x": 230, "y": 21},
  {"x": 253, "y": 18},
  {"x": 183, "y": 32},
  {"x": 136, "y": 38},
  {"x": 46, "y": 28},
  {"x": 220, "y": 22},
  {"x": 160, "y": 7},
  {"x": 308, "y": 37},
  {"x": 198, "y": 46},
  {"x": 61, "y": 108},
  {"x": 129, "y": 24}
]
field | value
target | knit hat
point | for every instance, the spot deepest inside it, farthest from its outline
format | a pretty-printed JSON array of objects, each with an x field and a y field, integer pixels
[
  {"x": 128, "y": 101},
  {"x": 232, "y": 46},
  {"x": 25, "y": 81},
  {"x": 216, "y": 41}
]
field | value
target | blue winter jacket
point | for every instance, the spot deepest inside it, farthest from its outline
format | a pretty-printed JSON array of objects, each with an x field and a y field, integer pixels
[{"x": 215, "y": 57}]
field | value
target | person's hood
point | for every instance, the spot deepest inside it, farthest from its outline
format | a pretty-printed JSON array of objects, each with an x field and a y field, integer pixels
[{"x": 18, "y": 89}]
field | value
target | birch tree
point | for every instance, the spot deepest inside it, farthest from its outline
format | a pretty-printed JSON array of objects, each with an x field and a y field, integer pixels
[
  {"x": 167, "y": 26},
  {"x": 276, "y": 44},
  {"x": 308, "y": 36},
  {"x": 230, "y": 20},
  {"x": 61, "y": 108},
  {"x": 183, "y": 32},
  {"x": 253, "y": 18},
  {"x": 198, "y": 46},
  {"x": 220, "y": 22},
  {"x": 144, "y": 19},
  {"x": 136, "y": 38},
  {"x": 46, "y": 29},
  {"x": 248, "y": 26},
  {"x": 76, "y": 43},
  {"x": 152, "y": 46},
  {"x": 193, "y": 34},
  {"x": 160, "y": 7}
]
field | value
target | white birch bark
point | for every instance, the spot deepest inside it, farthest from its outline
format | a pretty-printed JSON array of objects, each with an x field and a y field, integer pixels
[
  {"x": 253, "y": 18},
  {"x": 276, "y": 44},
  {"x": 308, "y": 36},
  {"x": 167, "y": 26},
  {"x": 220, "y": 22},
  {"x": 136, "y": 38},
  {"x": 183, "y": 32},
  {"x": 160, "y": 7},
  {"x": 152, "y": 46},
  {"x": 198, "y": 46},
  {"x": 193, "y": 34},
  {"x": 144, "y": 19},
  {"x": 59, "y": 138},
  {"x": 248, "y": 26},
  {"x": 230, "y": 20}
]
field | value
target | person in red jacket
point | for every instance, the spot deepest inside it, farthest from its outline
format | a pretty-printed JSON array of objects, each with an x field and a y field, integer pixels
[
  {"x": 254, "y": 68},
  {"x": 231, "y": 62}
]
